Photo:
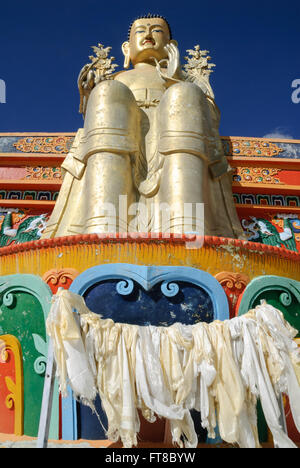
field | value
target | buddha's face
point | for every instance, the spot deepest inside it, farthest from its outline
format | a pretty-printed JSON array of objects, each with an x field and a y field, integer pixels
[{"x": 148, "y": 37}]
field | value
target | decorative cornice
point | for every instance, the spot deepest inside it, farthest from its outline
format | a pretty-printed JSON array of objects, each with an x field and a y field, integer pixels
[
  {"x": 60, "y": 278},
  {"x": 233, "y": 284},
  {"x": 233, "y": 280},
  {"x": 49, "y": 144},
  {"x": 244, "y": 138},
  {"x": 257, "y": 175},
  {"x": 140, "y": 238},
  {"x": 251, "y": 147}
]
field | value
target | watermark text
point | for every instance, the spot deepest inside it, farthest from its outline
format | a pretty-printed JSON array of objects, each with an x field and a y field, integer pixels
[
  {"x": 183, "y": 221},
  {"x": 296, "y": 92},
  {"x": 2, "y": 92}
]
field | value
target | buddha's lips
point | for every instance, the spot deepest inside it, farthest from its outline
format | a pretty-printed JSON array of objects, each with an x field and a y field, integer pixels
[{"x": 148, "y": 40}]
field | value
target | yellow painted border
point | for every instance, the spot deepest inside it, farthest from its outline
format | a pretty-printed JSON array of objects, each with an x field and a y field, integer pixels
[{"x": 210, "y": 258}]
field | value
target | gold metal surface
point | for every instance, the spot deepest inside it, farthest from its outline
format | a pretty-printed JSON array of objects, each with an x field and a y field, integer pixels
[{"x": 150, "y": 152}]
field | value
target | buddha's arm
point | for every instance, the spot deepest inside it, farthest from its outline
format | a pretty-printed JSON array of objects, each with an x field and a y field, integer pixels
[{"x": 86, "y": 82}]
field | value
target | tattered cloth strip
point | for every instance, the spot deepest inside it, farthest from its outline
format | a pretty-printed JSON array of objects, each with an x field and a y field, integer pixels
[{"x": 220, "y": 369}]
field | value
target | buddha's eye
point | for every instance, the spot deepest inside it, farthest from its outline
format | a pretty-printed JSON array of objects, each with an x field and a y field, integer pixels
[
  {"x": 157, "y": 30},
  {"x": 139, "y": 31}
]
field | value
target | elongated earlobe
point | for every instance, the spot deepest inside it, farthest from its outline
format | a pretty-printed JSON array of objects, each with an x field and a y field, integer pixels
[
  {"x": 125, "y": 50},
  {"x": 126, "y": 61}
]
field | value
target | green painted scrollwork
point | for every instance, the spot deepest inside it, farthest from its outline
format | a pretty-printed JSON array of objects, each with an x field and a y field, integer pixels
[
  {"x": 8, "y": 299},
  {"x": 41, "y": 362},
  {"x": 286, "y": 298},
  {"x": 282, "y": 293}
]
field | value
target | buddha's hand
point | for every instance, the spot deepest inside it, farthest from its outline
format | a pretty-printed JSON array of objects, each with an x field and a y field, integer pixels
[
  {"x": 170, "y": 69},
  {"x": 86, "y": 79}
]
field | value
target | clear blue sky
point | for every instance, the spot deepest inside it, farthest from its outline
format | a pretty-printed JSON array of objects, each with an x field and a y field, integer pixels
[{"x": 255, "y": 45}]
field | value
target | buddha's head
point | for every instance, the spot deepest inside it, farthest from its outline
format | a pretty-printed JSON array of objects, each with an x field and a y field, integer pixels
[{"x": 147, "y": 37}]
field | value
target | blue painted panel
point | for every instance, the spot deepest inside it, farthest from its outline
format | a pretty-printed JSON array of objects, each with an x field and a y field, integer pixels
[
  {"x": 190, "y": 305},
  {"x": 291, "y": 150},
  {"x": 89, "y": 427},
  {"x": 149, "y": 276},
  {"x": 7, "y": 144}
]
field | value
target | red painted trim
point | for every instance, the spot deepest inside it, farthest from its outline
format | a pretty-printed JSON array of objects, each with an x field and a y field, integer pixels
[
  {"x": 273, "y": 189},
  {"x": 209, "y": 241},
  {"x": 32, "y": 204},
  {"x": 244, "y": 210},
  {"x": 53, "y": 159},
  {"x": 264, "y": 210},
  {"x": 29, "y": 159},
  {"x": 38, "y": 134},
  {"x": 290, "y": 177},
  {"x": 251, "y": 161},
  {"x": 31, "y": 184}
]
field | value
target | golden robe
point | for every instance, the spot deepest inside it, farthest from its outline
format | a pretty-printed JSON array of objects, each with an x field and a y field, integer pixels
[{"x": 145, "y": 161}]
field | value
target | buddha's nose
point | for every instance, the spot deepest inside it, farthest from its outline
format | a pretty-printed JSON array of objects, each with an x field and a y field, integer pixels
[
  {"x": 148, "y": 36},
  {"x": 148, "y": 33}
]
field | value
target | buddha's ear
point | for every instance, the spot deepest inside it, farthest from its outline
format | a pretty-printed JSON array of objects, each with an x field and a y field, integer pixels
[
  {"x": 172, "y": 41},
  {"x": 126, "y": 52}
]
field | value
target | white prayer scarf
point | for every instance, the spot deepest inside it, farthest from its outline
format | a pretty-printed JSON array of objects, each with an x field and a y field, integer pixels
[{"x": 219, "y": 369}]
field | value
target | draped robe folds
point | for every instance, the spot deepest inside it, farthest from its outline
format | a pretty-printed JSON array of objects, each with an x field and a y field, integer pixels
[
  {"x": 219, "y": 369},
  {"x": 143, "y": 153}
]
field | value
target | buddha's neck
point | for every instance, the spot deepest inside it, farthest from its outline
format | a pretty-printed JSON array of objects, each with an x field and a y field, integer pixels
[{"x": 144, "y": 66}]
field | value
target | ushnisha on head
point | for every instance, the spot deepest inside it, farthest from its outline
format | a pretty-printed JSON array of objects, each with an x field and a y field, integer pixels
[{"x": 147, "y": 38}]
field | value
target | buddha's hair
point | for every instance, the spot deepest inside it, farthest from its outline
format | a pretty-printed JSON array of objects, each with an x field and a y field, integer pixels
[{"x": 150, "y": 15}]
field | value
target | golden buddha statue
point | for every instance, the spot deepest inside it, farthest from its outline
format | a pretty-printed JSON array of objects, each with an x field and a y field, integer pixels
[{"x": 150, "y": 150}]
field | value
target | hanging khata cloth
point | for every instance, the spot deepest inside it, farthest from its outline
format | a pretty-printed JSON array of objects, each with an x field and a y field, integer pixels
[{"x": 220, "y": 369}]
